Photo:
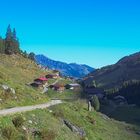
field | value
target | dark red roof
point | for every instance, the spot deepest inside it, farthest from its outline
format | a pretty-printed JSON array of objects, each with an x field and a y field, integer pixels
[{"x": 43, "y": 79}]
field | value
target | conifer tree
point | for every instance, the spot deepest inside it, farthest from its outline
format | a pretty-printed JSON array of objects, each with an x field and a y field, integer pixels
[
  {"x": 9, "y": 33},
  {"x": 14, "y": 34},
  {"x": 8, "y": 41},
  {"x": 31, "y": 56},
  {"x": 15, "y": 42},
  {"x": 11, "y": 42}
]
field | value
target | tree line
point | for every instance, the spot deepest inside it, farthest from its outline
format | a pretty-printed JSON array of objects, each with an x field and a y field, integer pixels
[
  {"x": 10, "y": 44},
  {"x": 130, "y": 90}
]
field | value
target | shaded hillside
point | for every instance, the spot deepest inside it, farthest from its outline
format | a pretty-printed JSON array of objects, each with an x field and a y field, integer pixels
[
  {"x": 131, "y": 91},
  {"x": 126, "y": 69},
  {"x": 72, "y": 69}
]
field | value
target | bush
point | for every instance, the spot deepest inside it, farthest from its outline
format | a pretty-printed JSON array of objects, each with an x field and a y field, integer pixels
[
  {"x": 95, "y": 103},
  {"x": 18, "y": 121},
  {"x": 91, "y": 120},
  {"x": 58, "y": 114},
  {"x": 23, "y": 137},
  {"x": 6, "y": 94},
  {"x": 48, "y": 135},
  {"x": 8, "y": 133}
]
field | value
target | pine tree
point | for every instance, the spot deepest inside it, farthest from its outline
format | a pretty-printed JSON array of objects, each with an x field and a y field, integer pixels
[
  {"x": 25, "y": 54},
  {"x": 9, "y": 33},
  {"x": 8, "y": 41},
  {"x": 14, "y": 34},
  {"x": 31, "y": 56},
  {"x": 15, "y": 42},
  {"x": 11, "y": 42}
]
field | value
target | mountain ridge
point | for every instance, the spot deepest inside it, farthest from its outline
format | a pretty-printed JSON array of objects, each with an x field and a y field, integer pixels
[
  {"x": 71, "y": 69},
  {"x": 112, "y": 76}
]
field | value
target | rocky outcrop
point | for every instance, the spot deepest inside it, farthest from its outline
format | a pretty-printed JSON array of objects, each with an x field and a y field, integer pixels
[
  {"x": 9, "y": 89},
  {"x": 74, "y": 128}
]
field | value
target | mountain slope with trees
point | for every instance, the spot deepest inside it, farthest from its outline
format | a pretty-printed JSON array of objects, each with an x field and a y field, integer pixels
[
  {"x": 122, "y": 78},
  {"x": 113, "y": 76}
]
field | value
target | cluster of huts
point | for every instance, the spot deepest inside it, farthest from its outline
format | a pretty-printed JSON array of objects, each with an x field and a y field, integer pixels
[{"x": 42, "y": 83}]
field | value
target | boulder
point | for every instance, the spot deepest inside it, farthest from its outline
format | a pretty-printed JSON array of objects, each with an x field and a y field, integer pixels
[
  {"x": 89, "y": 106},
  {"x": 12, "y": 91},
  {"x": 30, "y": 121},
  {"x": 7, "y": 88},
  {"x": 45, "y": 90},
  {"x": 74, "y": 128}
]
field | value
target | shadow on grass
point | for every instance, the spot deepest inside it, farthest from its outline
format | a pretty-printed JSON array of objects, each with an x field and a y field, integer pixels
[{"x": 126, "y": 114}]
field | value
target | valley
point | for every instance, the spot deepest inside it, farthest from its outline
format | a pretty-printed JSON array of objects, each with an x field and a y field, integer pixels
[
  {"x": 43, "y": 99},
  {"x": 48, "y": 123}
]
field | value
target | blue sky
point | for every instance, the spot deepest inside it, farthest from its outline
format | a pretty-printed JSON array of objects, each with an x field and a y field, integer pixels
[{"x": 94, "y": 32}]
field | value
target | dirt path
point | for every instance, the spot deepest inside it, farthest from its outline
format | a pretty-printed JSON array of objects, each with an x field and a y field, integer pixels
[{"x": 5, "y": 112}]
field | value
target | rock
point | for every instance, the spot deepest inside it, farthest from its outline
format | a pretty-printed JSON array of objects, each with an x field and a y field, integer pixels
[
  {"x": 15, "y": 97},
  {"x": 50, "y": 111},
  {"x": 5, "y": 87},
  {"x": 30, "y": 121},
  {"x": 105, "y": 117},
  {"x": 45, "y": 90},
  {"x": 75, "y": 129},
  {"x": 24, "y": 128},
  {"x": 12, "y": 91},
  {"x": 89, "y": 106}
]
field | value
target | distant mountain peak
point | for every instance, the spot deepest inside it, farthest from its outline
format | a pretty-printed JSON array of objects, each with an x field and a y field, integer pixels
[{"x": 72, "y": 69}]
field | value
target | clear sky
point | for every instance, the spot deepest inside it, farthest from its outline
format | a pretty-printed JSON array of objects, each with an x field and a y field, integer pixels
[{"x": 94, "y": 32}]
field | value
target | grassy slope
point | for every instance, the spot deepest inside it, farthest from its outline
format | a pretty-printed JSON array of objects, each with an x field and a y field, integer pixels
[
  {"x": 16, "y": 72},
  {"x": 104, "y": 129},
  {"x": 76, "y": 113}
]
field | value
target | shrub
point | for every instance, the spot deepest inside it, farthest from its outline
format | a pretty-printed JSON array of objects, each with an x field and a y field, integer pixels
[
  {"x": 18, "y": 121},
  {"x": 58, "y": 114},
  {"x": 95, "y": 103},
  {"x": 83, "y": 138},
  {"x": 6, "y": 94},
  {"x": 23, "y": 137},
  {"x": 8, "y": 132},
  {"x": 48, "y": 135},
  {"x": 91, "y": 120}
]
